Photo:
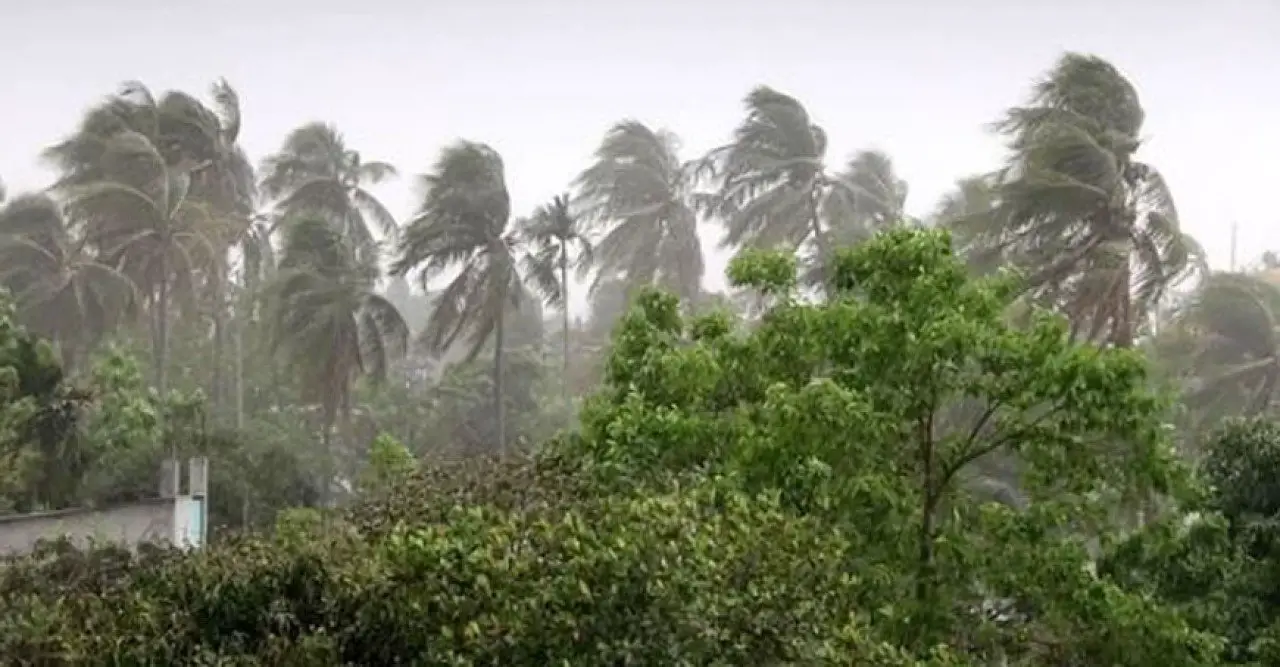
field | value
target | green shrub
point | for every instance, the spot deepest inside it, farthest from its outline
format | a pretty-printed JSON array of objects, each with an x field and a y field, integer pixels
[{"x": 705, "y": 576}]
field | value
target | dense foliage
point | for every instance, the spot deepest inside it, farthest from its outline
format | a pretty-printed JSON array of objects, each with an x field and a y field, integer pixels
[{"x": 733, "y": 497}]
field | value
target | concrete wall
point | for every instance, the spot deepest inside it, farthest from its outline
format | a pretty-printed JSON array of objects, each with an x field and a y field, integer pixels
[
  {"x": 146, "y": 521},
  {"x": 189, "y": 522},
  {"x": 175, "y": 517}
]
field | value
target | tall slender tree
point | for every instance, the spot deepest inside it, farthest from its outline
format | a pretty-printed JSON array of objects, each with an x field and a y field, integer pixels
[
  {"x": 864, "y": 198},
  {"x": 127, "y": 175},
  {"x": 558, "y": 241},
  {"x": 463, "y": 223},
  {"x": 1232, "y": 324}
]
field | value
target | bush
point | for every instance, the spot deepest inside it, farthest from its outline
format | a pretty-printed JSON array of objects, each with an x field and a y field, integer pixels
[{"x": 706, "y": 576}]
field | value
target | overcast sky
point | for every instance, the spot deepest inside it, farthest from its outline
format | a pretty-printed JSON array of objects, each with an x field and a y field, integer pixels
[{"x": 541, "y": 80}]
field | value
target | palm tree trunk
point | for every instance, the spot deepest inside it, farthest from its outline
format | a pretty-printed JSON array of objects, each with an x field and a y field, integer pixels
[
  {"x": 218, "y": 392},
  {"x": 821, "y": 240},
  {"x": 239, "y": 379},
  {"x": 564, "y": 312},
  {"x": 326, "y": 463},
  {"x": 499, "y": 373},
  {"x": 161, "y": 352}
]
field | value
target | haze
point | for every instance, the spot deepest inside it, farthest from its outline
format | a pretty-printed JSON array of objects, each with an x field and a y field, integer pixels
[{"x": 542, "y": 80}]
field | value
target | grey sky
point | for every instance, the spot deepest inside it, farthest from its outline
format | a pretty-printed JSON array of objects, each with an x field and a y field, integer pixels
[{"x": 541, "y": 80}]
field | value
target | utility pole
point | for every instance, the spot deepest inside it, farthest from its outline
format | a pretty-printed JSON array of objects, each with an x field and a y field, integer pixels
[{"x": 1233, "y": 246}]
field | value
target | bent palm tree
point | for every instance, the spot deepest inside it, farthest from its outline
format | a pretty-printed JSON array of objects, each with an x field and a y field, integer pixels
[
  {"x": 643, "y": 194},
  {"x": 185, "y": 133},
  {"x": 325, "y": 314},
  {"x": 316, "y": 173},
  {"x": 865, "y": 198},
  {"x": 772, "y": 180},
  {"x": 1233, "y": 324},
  {"x": 1096, "y": 229},
  {"x": 557, "y": 240},
  {"x": 463, "y": 223},
  {"x": 969, "y": 211},
  {"x": 145, "y": 223},
  {"x": 61, "y": 291}
]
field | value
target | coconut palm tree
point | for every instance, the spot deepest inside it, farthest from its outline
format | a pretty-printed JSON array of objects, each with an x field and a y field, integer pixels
[
  {"x": 1096, "y": 229},
  {"x": 968, "y": 212},
  {"x": 60, "y": 290},
  {"x": 1230, "y": 327},
  {"x": 183, "y": 131},
  {"x": 145, "y": 222},
  {"x": 866, "y": 197},
  {"x": 195, "y": 142},
  {"x": 315, "y": 172},
  {"x": 228, "y": 185},
  {"x": 643, "y": 197},
  {"x": 327, "y": 318},
  {"x": 772, "y": 179},
  {"x": 558, "y": 240},
  {"x": 463, "y": 222}
]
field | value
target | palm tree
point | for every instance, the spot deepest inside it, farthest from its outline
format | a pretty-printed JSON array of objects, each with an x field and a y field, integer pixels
[
  {"x": 145, "y": 223},
  {"x": 463, "y": 222},
  {"x": 172, "y": 150},
  {"x": 326, "y": 316},
  {"x": 1232, "y": 323},
  {"x": 61, "y": 291},
  {"x": 864, "y": 198},
  {"x": 968, "y": 212},
  {"x": 641, "y": 191},
  {"x": 316, "y": 173},
  {"x": 183, "y": 131},
  {"x": 228, "y": 185},
  {"x": 558, "y": 240},
  {"x": 772, "y": 177},
  {"x": 1096, "y": 229}
]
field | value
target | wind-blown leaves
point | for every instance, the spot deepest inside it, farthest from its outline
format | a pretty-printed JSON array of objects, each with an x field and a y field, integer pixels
[
  {"x": 1096, "y": 230},
  {"x": 315, "y": 173},
  {"x": 1232, "y": 322},
  {"x": 60, "y": 290},
  {"x": 639, "y": 187},
  {"x": 771, "y": 177}
]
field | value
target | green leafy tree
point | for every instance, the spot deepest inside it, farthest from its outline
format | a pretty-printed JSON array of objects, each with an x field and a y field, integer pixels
[
  {"x": 389, "y": 464},
  {"x": 464, "y": 223},
  {"x": 846, "y": 410},
  {"x": 1218, "y": 564},
  {"x": 644, "y": 195},
  {"x": 42, "y": 459}
]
